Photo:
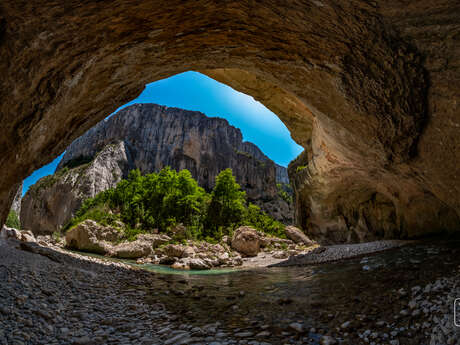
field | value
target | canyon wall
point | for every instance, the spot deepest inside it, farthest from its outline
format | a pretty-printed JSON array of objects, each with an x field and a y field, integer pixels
[{"x": 150, "y": 137}]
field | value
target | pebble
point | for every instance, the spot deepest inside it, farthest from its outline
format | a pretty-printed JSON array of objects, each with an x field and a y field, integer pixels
[
  {"x": 327, "y": 340},
  {"x": 296, "y": 327}
]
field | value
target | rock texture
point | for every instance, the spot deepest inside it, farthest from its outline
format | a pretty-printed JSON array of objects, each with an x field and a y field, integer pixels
[
  {"x": 369, "y": 89},
  {"x": 52, "y": 201},
  {"x": 297, "y": 235},
  {"x": 16, "y": 206},
  {"x": 246, "y": 241},
  {"x": 150, "y": 137},
  {"x": 92, "y": 237},
  {"x": 160, "y": 136}
]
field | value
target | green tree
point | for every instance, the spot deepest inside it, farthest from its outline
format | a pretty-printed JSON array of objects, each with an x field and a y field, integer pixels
[
  {"x": 164, "y": 199},
  {"x": 227, "y": 205},
  {"x": 258, "y": 219},
  {"x": 12, "y": 221}
]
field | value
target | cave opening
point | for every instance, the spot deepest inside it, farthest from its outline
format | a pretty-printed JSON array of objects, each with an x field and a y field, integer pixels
[{"x": 188, "y": 121}]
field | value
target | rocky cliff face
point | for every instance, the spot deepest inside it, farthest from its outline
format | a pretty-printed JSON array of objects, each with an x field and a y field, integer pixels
[
  {"x": 52, "y": 201},
  {"x": 150, "y": 137},
  {"x": 16, "y": 205}
]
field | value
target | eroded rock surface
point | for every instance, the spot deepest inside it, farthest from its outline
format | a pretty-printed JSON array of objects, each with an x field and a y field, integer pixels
[
  {"x": 369, "y": 89},
  {"x": 92, "y": 237},
  {"x": 246, "y": 241},
  {"x": 53, "y": 200},
  {"x": 16, "y": 206},
  {"x": 296, "y": 235}
]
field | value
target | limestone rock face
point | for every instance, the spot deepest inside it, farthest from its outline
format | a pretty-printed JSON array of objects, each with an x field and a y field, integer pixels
[
  {"x": 150, "y": 137},
  {"x": 370, "y": 89},
  {"x": 91, "y": 236},
  {"x": 246, "y": 241},
  {"x": 297, "y": 235},
  {"x": 52, "y": 201},
  {"x": 160, "y": 136},
  {"x": 16, "y": 206}
]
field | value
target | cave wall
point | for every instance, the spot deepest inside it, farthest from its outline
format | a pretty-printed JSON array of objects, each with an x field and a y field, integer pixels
[{"x": 369, "y": 89}]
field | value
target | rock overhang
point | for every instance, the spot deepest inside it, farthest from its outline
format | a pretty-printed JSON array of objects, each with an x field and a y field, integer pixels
[{"x": 366, "y": 89}]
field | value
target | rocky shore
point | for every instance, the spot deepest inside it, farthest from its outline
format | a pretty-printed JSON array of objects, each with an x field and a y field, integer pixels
[
  {"x": 180, "y": 253},
  {"x": 52, "y": 296}
]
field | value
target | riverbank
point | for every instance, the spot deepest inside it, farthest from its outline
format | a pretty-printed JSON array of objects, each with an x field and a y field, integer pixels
[{"x": 55, "y": 297}]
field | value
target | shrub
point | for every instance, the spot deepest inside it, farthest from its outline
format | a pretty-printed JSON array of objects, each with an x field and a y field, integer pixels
[
  {"x": 12, "y": 221},
  {"x": 285, "y": 192},
  {"x": 262, "y": 222},
  {"x": 300, "y": 168}
]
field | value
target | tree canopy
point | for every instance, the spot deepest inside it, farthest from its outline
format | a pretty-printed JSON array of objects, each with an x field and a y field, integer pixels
[{"x": 167, "y": 198}]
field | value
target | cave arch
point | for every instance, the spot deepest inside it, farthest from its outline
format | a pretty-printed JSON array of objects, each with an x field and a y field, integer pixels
[{"x": 361, "y": 86}]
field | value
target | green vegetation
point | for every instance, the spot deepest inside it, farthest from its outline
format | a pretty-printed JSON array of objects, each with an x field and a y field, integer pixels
[
  {"x": 300, "y": 168},
  {"x": 56, "y": 236},
  {"x": 168, "y": 198},
  {"x": 227, "y": 205},
  {"x": 285, "y": 192},
  {"x": 243, "y": 153},
  {"x": 262, "y": 222},
  {"x": 12, "y": 221}
]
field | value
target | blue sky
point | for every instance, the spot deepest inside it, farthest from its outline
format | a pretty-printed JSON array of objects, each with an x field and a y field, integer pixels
[{"x": 195, "y": 91}]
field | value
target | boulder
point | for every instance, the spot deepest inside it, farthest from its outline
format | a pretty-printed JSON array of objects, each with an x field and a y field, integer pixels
[
  {"x": 280, "y": 254},
  {"x": 246, "y": 241},
  {"x": 196, "y": 264},
  {"x": 297, "y": 235},
  {"x": 132, "y": 250},
  {"x": 267, "y": 241},
  {"x": 27, "y": 236},
  {"x": 21, "y": 235},
  {"x": 10, "y": 233},
  {"x": 188, "y": 252},
  {"x": 180, "y": 265},
  {"x": 91, "y": 236},
  {"x": 155, "y": 240},
  {"x": 174, "y": 250},
  {"x": 224, "y": 258}
]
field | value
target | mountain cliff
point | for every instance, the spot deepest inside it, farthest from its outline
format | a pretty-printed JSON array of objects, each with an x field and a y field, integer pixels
[{"x": 150, "y": 137}]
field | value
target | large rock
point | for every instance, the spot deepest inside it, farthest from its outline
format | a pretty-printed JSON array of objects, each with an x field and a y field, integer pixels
[
  {"x": 21, "y": 235},
  {"x": 376, "y": 108},
  {"x": 246, "y": 241},
  {"x": 132, "y": 250},
  {"x": 174, "y": 250},
  {"x": 141, "y": 247},
  {"x": 155, "y": 240},
  {"x": 92, "y": 237},
  {"x": 297, "y": 235}
]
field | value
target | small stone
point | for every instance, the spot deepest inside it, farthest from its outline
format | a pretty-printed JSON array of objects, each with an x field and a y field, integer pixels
[
  {"x": 296, "y": 327},
  {"x": 346, "y": 324},
  {"x": 244, "y": 334},
  {"x": 327, "y": 340},
  {"x": 85, "y": 340}
]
